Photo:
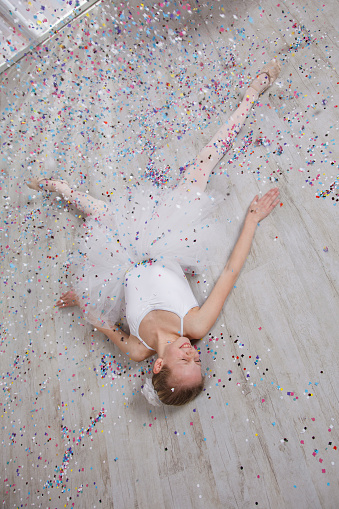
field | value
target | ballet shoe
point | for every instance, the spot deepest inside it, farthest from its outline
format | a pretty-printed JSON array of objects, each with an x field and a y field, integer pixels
[
  {"x": 272, "y": 70},
  {"x": 38, "y": 183}
]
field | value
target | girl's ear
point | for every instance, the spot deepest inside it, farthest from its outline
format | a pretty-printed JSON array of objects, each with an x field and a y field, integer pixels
[{"x": 158, "y": 365}]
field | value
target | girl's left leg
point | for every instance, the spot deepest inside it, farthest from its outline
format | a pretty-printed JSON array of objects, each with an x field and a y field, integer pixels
[{"x": 84, "y": 202}]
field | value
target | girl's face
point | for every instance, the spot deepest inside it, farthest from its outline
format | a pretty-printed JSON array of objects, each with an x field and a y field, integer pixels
[{"x": 184, "y": 362}]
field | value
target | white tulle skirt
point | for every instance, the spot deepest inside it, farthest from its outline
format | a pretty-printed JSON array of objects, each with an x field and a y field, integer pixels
[{"x": 175, "y": 226}]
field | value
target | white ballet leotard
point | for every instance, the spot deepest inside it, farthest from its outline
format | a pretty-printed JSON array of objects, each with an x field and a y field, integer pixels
[{"x": 152, "y": 286}]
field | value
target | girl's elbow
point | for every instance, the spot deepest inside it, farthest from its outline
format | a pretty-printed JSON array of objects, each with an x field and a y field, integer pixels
[
  {"x": 232, "y": 272},
  {"x": 199, "y": 330},
  {"x": 140, "y": 356},
  {"x": 136, "y": 357}
]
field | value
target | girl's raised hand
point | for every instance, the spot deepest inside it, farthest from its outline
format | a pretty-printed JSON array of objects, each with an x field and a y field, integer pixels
[{"x": 260, "y": 208}]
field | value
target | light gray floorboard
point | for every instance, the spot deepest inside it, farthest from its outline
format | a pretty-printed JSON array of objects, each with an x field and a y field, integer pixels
[{"x": 91, "y": 106}]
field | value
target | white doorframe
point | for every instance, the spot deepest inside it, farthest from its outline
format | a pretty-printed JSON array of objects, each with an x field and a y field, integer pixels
[{"x": 15, "y": 19}]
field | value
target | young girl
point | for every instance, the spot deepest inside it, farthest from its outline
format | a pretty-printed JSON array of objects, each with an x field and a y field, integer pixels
[{"x": 134, "y": 252}]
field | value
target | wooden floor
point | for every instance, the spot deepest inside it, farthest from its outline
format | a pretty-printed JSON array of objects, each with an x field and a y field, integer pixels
[{"x": 144, "y": 87}]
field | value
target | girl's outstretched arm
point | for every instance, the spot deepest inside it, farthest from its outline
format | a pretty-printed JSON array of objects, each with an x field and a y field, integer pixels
[
  {"x": 199, "y": 323},
  {"x": 129, "y": 345}
]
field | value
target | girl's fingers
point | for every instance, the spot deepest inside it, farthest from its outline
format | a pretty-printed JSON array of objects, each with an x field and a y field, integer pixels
[
  {"x": 275, "y": 203},
  {"x": 272, "y": 196},
  {"x": 267, "y": 202}
]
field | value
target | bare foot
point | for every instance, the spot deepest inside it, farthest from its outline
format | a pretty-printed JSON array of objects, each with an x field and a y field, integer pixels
[{"x": 68, "y": 299}]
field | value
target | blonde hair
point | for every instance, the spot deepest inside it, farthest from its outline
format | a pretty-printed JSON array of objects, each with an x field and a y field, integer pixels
[{"x": 178, "y": 396}]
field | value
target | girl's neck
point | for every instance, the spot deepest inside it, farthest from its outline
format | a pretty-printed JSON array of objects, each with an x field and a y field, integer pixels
[
  {"x": 164, "y": 338},
  {"x": 161, "y": 339},
  {"x": 158, "y": 329}
]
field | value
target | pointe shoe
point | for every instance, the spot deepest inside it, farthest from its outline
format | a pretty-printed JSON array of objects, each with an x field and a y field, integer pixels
[
  {"x": 272, "y": 70},
  {"x": 38, "y": 184}
]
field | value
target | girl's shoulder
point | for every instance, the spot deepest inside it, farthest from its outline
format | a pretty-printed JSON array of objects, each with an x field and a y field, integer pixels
[{"x": 140, "y": 351}]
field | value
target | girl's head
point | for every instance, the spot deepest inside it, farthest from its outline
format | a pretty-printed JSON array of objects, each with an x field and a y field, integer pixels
[{"x": 177, "y": 374}]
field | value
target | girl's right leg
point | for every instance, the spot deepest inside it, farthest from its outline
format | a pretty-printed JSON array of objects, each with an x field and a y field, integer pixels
[
  {"x": 199, "y": 171},
  {"x": 84, "y": 202}
]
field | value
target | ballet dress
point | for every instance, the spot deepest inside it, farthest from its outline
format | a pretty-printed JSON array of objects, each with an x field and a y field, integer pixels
[
  {"x": 152, "y": 286},
  {"x": 143, "y": 239}
]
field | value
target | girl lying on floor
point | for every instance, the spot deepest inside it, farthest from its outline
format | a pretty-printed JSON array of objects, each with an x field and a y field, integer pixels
[{"x": 137, "y": 250}]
